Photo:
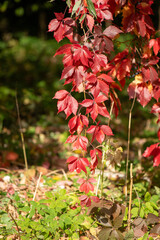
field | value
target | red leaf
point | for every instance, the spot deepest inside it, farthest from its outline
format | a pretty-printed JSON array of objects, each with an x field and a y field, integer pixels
[
  {"x": 149, "y": 74},
  {"x": 67, "y": 72},
  {"x": 144, "y": 95},
  {"x": 112, "y": 31},
  {"x": 96, "y": 155},
  {"x": 78, "y": 142},
  {"x": 149, "y": 150},
  {"x": 96, "y": 106},
  {"x": 77, "y": 163},
  {"x": 156, "y": 110},
  {"x": 85, "y": 200},
  {"x": 155, "y": 43},
  {"x": 99, "y": 62},
  {"x": 61, "y": 94},
  {"x": 153, "y": 150},
  {"x": 62, "y": 27},
  {"x": 86, "y": 184},
  {"x": 66, "y": 103},
  {"x": 158, "y": 134},
  {"x": 142, "y": 27},
  {"x": 87, "y": 103},
  {"x": 99, "y": 132},
  {"x": 77, "y": 123},
  {"x": 53, "y": 25},
  {"x": 81, "y": 53},
  {"x": 90, "y": 22},
  {"x": 105, "y": 77},
  {"x": 59, "y": 16},
  {"x": 95, "y": 199}
]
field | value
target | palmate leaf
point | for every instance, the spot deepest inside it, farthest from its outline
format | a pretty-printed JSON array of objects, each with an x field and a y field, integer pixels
[
  {"x": 91, "y": 8},
  {"x": 77, "y": 163},
  {"x": 109, "y": 233},
  {"x": 99, "y": 132},
  {"x": 104, "y": 233}
]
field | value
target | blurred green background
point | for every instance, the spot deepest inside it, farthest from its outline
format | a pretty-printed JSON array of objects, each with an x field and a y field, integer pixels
[{"x": 28, "y": 69}]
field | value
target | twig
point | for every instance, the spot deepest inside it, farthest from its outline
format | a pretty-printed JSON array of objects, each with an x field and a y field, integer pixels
[
  {"x": 58, "y": 170},
  {"x": 128, "y": 144},
  {"x": 99, "y": 176},
  {"x": 102, "y": 171},
  {"x": 14, "y": 223},
  {"x": 4, "y": 169},
  {"x": 130, "y": 197},
  {"x": 37, "y": 186},
  {"x": 21, "y": 133},
  {"x": 109, "y": 119}
]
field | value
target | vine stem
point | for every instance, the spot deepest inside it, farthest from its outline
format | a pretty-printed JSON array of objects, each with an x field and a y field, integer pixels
[
  {"x": 104, "y": 152},
  {"x": 128, "y": 144},
  {"x": 130, "y": 197},
  {"x": 21, "y": 134}
]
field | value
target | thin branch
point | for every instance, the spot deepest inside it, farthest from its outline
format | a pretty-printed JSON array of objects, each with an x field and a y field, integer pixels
[
  {"x": 21, "y": 133},
  {"x": 58, "y": 170},
  {"x": 37, "y": 186},
  {"x": 128, "y": 144},
  {"x": 109, "y": 119},
  {"x": 130, "y": 197},
  {"x": 14, "y": 223}
]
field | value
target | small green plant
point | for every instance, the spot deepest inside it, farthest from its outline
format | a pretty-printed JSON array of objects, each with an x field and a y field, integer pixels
[{"x": 54, "y": 217}]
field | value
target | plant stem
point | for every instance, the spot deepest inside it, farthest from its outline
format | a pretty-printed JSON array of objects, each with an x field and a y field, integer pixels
[
  {"x": 130, "y": 197},
  {"x": 102, "y": 171},
  {"x": 21, "y": 134},
  {"x": 37, "y": 186},
  {"x": 128, "y": 144},
  {"x": 105, "y": 149},
  {"x": 19, "y": 235}
]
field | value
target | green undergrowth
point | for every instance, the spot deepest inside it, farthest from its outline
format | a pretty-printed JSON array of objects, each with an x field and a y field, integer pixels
[
  {"x": 51, "y": 218},
  {"x": 57, "y": 214}
]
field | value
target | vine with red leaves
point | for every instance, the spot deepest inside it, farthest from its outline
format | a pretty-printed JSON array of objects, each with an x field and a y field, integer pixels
[{"x": 93, "y": 69}]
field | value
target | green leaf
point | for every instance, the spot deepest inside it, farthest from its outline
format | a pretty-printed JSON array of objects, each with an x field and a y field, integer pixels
[
  {"x": 75, "y": 236},
  {"x": 126, "y": 214},
  {"x": 129, "y": 235},
  {"x": 25, "y": 209},
  {"x": 57, "y": 236},
  {"x": 61, "y": 224},
  {"x": 32, "y": 212},
  {"x": 104, "y": 234},
  {"x": 91, "y": 8},
  {"x": 82, "y": 18},
  {"x": 157, "y": 189},
  {"x": 141, "y": 214},
  {"x": 76, "y": 6},
  {"x": 68, "y": 3},
  {"x": 134, "y": 212},
  {"x": 147, "y": 197},
  {"x": 154, "y": 205},
  {"x": 136, "y": 202},
  {"x": 149, "y": 207},
  {"x": 86, "y": 224},
  {"x": 155, "y": 198},
  {"x": 5, "y": 219},
  {"x": 145, "y": 236},
  {"x": 49, "y": 195}
]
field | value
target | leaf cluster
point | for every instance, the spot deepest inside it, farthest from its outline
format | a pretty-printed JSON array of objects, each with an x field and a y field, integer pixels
[{"x": 54, "y": 217}]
